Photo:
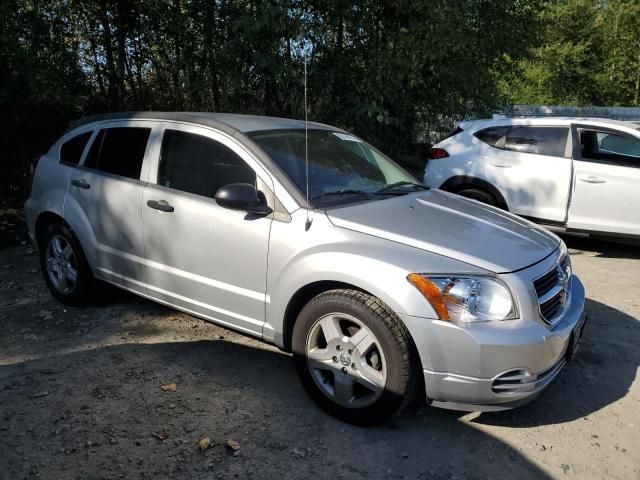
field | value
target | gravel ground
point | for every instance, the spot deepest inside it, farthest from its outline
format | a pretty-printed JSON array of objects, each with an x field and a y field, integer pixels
[{"x": 81, "y": 396}]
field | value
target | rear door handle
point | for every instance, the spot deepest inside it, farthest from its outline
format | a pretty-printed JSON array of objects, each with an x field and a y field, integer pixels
[
  {"x": 592, "y": 179},
  {"x": 78, "y": 182},
  {"x": 161, "y": 205}
]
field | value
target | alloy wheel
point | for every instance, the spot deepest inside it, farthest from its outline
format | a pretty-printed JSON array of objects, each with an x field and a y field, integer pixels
[
  {"x": 346, "y": 360},
  {"x": 61, "y": 264}
]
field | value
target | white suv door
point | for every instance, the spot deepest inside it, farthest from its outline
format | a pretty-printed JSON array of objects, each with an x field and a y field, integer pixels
[
  {"x": 606, "y": 194},
  {"x": 104, "y": 196},
  {"x": 202, "y": 257},
  {"x": 531, "y": 167}
]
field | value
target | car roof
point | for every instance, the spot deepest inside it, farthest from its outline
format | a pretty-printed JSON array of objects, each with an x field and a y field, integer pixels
[
  {"x": 234, "y": 121},
  {"x": 476, "y": 124}
]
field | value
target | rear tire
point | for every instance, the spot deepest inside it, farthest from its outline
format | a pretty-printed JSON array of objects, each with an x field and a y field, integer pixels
[
  {"x": 479, "y": 195},
  {"x": 64, "y": 265},
  {"x": 354, "y": 356}
]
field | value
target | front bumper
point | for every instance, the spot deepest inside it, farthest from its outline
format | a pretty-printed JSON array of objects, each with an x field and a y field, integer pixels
[{"x": 498, "y": 365}]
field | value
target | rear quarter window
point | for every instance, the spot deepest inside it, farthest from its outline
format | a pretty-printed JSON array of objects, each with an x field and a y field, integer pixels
[{"x": 71, "y": 150}]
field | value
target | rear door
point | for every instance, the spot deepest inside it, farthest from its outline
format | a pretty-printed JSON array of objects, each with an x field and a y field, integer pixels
[
  {"x": 106, "y": 192},
  {"x": 606, "y": 196},
  {"x": 531, "y": 166},
  {"x": 200, "y": 256}
]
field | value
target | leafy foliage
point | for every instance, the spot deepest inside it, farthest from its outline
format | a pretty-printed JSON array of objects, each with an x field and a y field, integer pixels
[
  {"x": 589, "y": 54},
  {"x": 390, "y": 70}
]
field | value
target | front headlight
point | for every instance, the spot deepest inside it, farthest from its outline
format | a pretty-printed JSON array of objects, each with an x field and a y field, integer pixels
[{"x": 466, "y": 299}]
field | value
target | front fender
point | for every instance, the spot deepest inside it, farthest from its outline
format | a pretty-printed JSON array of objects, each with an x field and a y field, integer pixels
[{"x": 387, "y": 281}]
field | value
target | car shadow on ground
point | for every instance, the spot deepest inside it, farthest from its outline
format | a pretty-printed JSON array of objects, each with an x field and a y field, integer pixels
[
  {"x": 102, "y": 412},
  {"x": 605, "y": 248}
]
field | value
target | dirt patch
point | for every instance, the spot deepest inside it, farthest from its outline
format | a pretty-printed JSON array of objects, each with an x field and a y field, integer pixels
[{"x": 81, "y": 397}]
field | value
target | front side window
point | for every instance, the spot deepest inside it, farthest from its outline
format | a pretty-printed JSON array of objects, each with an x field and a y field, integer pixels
[
  {"x": 342, "y": 168},
  {"x": 610, "y": 147},
  {"x": 200, "y": 165},
  {"x": 550, "y": 141},
  {"x": 119, "y": 151},
  {"x": 71, "y": 150}
]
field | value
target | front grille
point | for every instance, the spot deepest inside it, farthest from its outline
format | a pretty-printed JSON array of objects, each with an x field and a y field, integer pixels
[{"x": 552, "y": 289}]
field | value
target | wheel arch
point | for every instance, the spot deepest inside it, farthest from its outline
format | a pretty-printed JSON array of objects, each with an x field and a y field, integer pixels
[
  {"x": 462, "y": 182},
  {"x": 45, "y": 219},
  {"x": 301, "y": 297}
]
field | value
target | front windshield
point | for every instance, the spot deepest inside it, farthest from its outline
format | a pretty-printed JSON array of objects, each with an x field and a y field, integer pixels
[{"x": 342, "y": 168}]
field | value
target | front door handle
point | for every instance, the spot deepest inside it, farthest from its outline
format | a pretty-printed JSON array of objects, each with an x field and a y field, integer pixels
[
  {"x": 161, "y": 205},
  {"x": 78, "y": 182},
  {"x": 500, "y": 165},
  {"x": 592, "y": 179}
]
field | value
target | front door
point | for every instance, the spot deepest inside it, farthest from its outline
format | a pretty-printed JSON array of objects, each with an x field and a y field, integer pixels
[
  {"x": 201, "y": 257},
  {"x": 531, "y": 166},
  {"x": 606, "y": 194}
]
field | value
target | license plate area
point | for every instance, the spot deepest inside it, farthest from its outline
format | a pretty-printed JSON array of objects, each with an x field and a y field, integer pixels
[{"x": 576, "y": 337}]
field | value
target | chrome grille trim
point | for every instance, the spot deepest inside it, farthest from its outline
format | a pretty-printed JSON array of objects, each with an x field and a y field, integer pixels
[
  {"x": 552, "y": 289},
  {"x": 518, "y": 381}
]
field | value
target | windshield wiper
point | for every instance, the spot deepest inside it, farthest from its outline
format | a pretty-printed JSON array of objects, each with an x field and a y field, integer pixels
[
  {"x": 394, "y": 186},
  {"x": 341, "y": 192}
]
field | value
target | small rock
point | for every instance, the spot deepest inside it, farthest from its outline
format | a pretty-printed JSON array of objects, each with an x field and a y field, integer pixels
[
  {"x": 45, "y": 314},
  {"x": 233, "y": 445},
  {"x": 160, "y": 435},
  {"x": 204, "y": 443}
]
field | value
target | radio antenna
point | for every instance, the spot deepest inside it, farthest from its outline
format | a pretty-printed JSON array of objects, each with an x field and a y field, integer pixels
[{"x": 307, "y": 223}]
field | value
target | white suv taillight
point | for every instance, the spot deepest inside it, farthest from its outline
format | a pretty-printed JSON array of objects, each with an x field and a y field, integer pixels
[{"x": 437, "y": 153}]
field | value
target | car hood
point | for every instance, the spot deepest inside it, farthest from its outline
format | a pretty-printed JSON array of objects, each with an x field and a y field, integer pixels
[{"x": 453, "y": 226}]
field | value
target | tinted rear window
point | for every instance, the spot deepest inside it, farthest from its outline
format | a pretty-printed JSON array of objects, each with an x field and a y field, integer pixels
[
  {"x": 71, "y": 150},
  {"x": 119, "y": 151},
  {"x": 539, "y": 140},
  {"x": 491, "y": 136}
]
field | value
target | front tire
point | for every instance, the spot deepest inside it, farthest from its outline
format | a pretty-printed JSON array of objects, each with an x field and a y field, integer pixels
[
  {"x": 354, "y": 356},
  {"x": 64, "y": 265}
]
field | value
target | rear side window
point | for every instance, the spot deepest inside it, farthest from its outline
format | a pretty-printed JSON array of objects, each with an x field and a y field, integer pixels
[
  {"x": 71, "y": 150},
  {"x": 197, "y": 164},
  {"x": 491, "y": 136},
  {"x": 119, "y": 151},
  {"x": 550, "y": 141},
  {"x": 620, "y": 149}
]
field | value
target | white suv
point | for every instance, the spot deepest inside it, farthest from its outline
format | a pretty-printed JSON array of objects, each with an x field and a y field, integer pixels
[{"x": 575, "y": 174}]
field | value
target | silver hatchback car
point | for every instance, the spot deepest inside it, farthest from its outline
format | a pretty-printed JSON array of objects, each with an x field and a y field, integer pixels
[{"x": 313, "y": 240}]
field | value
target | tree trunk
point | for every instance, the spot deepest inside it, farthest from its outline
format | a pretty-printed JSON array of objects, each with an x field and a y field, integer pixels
[{"x": 115, "y": 95}]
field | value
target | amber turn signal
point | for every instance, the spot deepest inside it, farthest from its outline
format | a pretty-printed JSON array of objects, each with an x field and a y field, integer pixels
[{"x": 431, "y": 292}]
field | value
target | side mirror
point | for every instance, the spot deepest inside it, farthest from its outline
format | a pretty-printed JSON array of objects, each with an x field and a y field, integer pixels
[{"x": 243, "y": 196}]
